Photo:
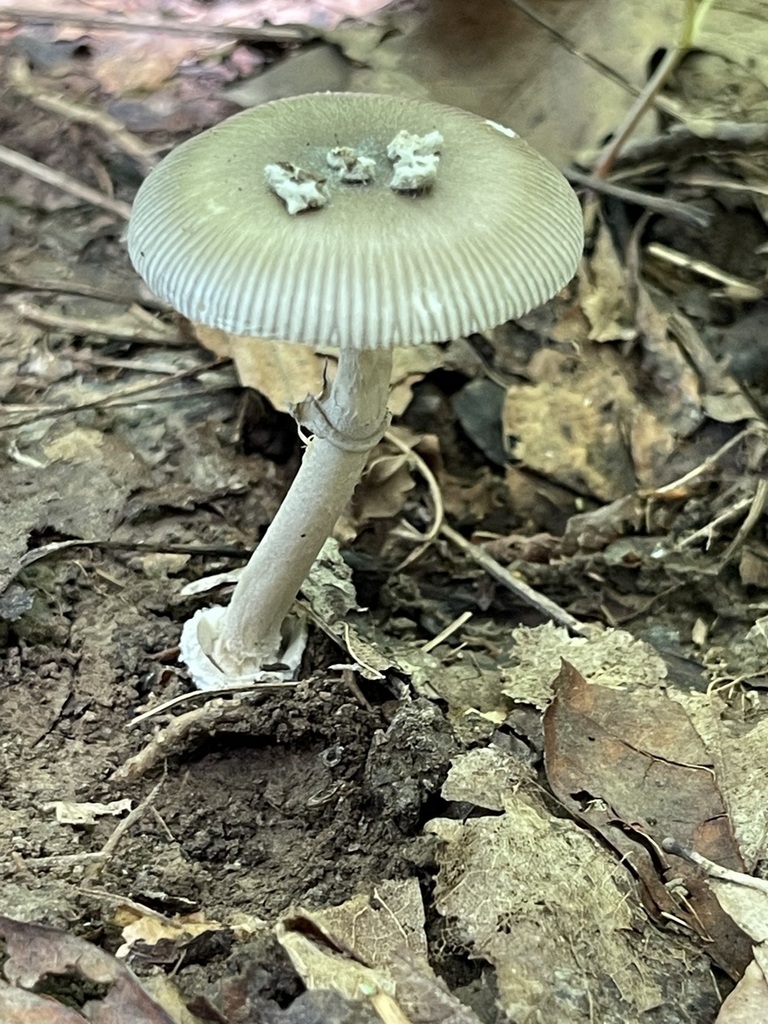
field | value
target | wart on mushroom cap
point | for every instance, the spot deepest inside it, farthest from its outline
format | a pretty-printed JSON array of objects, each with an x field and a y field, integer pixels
[
  {"x": 415, "y": 159},
  {"x": 352, "y": 167},
  {"x": 299, "y": 189},
  {"x": 473, "y": 228}
]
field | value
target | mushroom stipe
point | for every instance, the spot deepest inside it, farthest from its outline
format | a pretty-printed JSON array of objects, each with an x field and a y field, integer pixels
[{"x": 353, "y": 221}]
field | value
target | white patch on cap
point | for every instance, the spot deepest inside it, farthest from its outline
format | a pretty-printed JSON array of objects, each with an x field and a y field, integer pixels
[{"x": 501, "y": 128}]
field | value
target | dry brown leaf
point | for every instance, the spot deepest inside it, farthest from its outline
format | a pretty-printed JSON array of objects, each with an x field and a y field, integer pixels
[
  {"x": 652, "y": 443},
  {"x": 748, "y": 1003},
  {"x": 739, "y": 750},
  {"x": 22, "y": 1007},
  {"x": 33, "y": 951},
  {"x": 329, "y": 587},
  {"x": 286, "y": 372},
  {"x": 611, "y": 658},
  {"x": 76, "y": 480},
  {"x": 150, "y": 930},
  {"x": 319, "y": 68},
  {"x": 633, "y": 756},
  {"x": 543, "y": 903},
  {"x": 674, "y": 379},
  {"x": 745, "y": 904},
  {"x": 373, "y": 949},
  {"x": 735, "y": 29},
  {"x": 596, "y": 529},
  {"x": 604, "y": 293},
  {"x": 125, "y": 62},
  {"x": 488, "y": 57},
  {"x": 587, "y": 404}
]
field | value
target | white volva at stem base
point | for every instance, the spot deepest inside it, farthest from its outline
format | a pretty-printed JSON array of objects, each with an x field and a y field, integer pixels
[{"x": 251, "y": 635}]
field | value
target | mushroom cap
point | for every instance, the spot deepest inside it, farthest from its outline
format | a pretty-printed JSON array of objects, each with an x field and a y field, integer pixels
[{"x": 498, "y": 234}]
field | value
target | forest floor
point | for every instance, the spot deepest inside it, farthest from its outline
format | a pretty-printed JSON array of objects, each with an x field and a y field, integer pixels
[{"x": 466, "y": 806}]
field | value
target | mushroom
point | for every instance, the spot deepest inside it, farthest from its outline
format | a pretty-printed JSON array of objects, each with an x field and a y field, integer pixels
[{"x": 353, "y": 221}]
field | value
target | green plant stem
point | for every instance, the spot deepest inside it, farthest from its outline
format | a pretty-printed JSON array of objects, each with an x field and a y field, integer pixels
[{"x": 695, "y": 14}]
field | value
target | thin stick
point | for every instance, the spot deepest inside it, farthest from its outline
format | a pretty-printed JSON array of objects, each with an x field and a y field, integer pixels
[
  {"x": 111, "y": 23},
  {"x": 21, "y": 79},
  {"x": 755, "y": 514},
  {"x": 63, "y": 182},
  {"x": 737, "y": 287},
  {"x": 695, "y": 13},
  {"x": 448, "y": 631},
  {"x": 207, "y": 695},
  {"x": 654, "y": 85},
  {"x": 221, "y": 551},
  {"x": 182, "y": 730},
  {"x": 657, "y": 204},
  {"x": 714, "y": 870},
  {"x": 587, "y": 58},
  {"x": 434, "y": 491},
  {"x": 708, "y": 532},
  {"x": 129, "y": 393},
  {"x": 99, "y": 857},
  {"x": 115, "y": 328},
  {"x": 704, "y": 467},
  {"x": 532, "y": 597}
]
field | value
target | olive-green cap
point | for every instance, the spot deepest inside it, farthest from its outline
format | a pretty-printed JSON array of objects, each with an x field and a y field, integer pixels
[{"x": 495, "y": 234}]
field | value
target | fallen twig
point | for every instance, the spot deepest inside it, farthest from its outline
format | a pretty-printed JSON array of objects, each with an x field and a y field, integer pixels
[
  {"x": 753, "y": 517},
  {"x": 526, "y": 593},
  {"x": 113, "y": 23},
  {"x": 63, "y": 182},
  {"x": 713, "y": 869},
  {"x": 671, "y": 208},
  {"x": 22, "y": 81},
  {"x": 127, "y": 326},
  {"x": 200, "y": 722},
  {"x": 124, "y": 396},
  {"x": 735, "y": 287},
  {"x": 97, "y": 858}
]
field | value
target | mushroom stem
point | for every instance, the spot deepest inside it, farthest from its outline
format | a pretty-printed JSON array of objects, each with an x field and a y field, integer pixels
[{"x": 347, "y": 421}]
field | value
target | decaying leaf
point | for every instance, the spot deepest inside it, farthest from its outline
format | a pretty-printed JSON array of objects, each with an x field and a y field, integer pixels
[
  {"x": 605, "y": 294},
  {"x": 34, "y": 952},
  {"x": 618, "y": 756},
  {"x": 587, "y": 406},
  {"x": 748, "y": 1003},
  {"x": 283, "y": 373},
  {"x": 739, "y": 750},
  {"x": 386, "y": 482},
  {"x": 286, "y": 373},
  {"x": 162, "y": 939},
  {"x": 373, "y": 949},
  {"x": 666, "y": 362},
  {"x": 613, "y": 658},
  {"x": 509, "y": 62},
  {"x": 329, "y": 587},
  {"x": 68, "y": 812},
  {"x": 543, "y": 902},
  {"x": 74, "y": 479}
]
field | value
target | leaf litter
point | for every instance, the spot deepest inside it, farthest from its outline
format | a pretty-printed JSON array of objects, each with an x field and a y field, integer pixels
[{"x": 470, "y": 809}]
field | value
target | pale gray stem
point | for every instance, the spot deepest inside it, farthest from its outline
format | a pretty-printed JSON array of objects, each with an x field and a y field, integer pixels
[{"x": 347, "y": 423}]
